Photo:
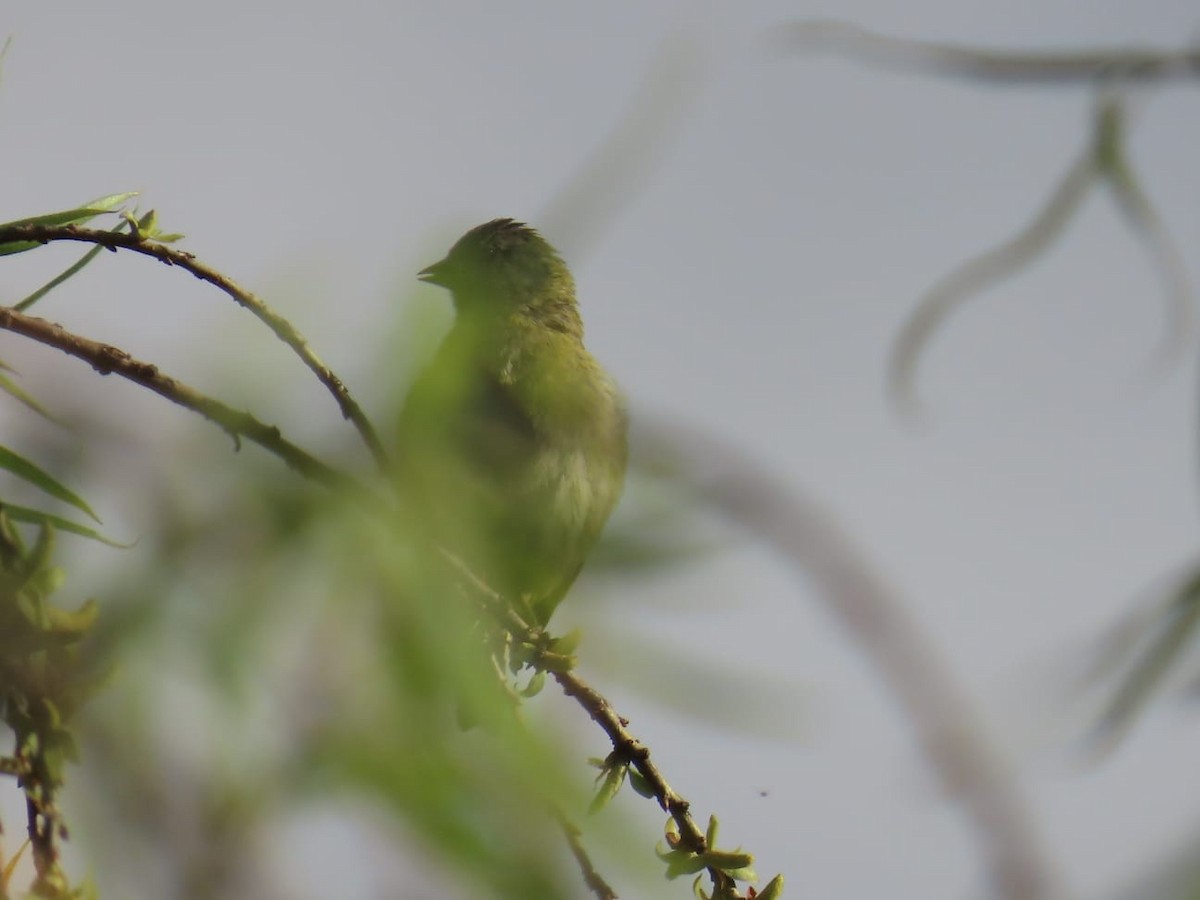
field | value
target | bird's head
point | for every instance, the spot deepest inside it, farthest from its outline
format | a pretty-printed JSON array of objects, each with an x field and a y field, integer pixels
[{"x": 502, "y": 266}]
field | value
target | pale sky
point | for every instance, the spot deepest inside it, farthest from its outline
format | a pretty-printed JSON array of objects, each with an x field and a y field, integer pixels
[{"x": 746, "y": 276}]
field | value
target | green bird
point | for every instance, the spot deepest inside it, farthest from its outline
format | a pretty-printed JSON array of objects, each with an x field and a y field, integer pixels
[{"x": 513, "y": 439}]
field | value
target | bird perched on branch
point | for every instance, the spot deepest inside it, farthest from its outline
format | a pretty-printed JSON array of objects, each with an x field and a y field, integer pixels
[{"x": 513, "y": 439}]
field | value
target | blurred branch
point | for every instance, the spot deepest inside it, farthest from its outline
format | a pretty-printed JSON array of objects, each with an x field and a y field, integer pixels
[
  {"x": 281, "y": 327},
  {"x": 1174, "y": 876},
  {"x": 1063, "y": 67},
  {"x": 107, "y": 359},
  {"x": 1160, "y": 643},
  {"x": 942, "y": 718},
  {"x": 620, "y": 166},
  {"x": 970, "y": 278},
  {"x": 1143, "y": 220},
  {"x": 1103, "y": 159},
  {"x": 595, "y": 883}
]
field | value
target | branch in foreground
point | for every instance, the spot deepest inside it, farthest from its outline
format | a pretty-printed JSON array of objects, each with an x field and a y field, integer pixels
[
  {"x": 282, "y": 328},
  {"x": 1118, "y": 64},
  {"x": 626, "y": 747},
  {"x": 107, "y": 359},
  {"x": 942, "y": 718},
  {"x": 638, "y": 754}
]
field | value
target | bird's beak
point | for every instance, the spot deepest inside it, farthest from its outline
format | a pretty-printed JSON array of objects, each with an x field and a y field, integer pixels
[{"x": 435, "y": 274}]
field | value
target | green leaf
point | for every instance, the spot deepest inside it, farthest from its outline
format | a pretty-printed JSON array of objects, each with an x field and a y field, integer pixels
[
  {"x": 24, "y": 469},
  {"x": 11, "y": 388},
  {"x": 58, "y": 279},
  {"x": 638, "y": 782},
  {"x": 568, "y": 643},
  {"x": 63, "y": 217},
  {"x": 78, "y": 216},
  {"x": 734, "y": 863},
  {"x": 536, "y": 683},
  {"x": 680, "y": 863},
  {"x": 611, "y": 781},
  {"x": 18, "y": 247},
  {"x": 710, "y": 834},
  {"x": 728, "y": 860},
  {"x": 73, "y": 623},
  {"x": 145, "y": 227},
  {"x": 72, "y": 269},
  {"x": 148, "y": 224},
  {"x": 773, "y": 889},
  {"x": 112, "y": 201},
  {"x": 37, "y": 517},
  {"x": 671, "y": 831},
  {"x": 43, "y": 548}
]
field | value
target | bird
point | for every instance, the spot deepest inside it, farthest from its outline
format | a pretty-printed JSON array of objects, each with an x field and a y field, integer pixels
[{"x": 513, "y": 440}]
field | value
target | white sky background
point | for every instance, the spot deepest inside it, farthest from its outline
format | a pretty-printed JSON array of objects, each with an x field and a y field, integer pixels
[{"x": 751, "y": 285}]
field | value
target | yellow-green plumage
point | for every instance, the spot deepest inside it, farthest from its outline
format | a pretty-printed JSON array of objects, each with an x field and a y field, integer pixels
[{"x": 513, "y": 440}]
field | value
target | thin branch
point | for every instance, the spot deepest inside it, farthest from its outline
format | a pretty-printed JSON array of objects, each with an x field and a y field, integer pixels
[
  {"x": 1064, "y": 67},
  {"x": 1104, "y": 160},
  {"x": 493, "y": 604},
  {"x": 628, "y": 156},
  {"x": 625, "y": 745},
  {"x": 282, "y": 328},
  {"x": 629, "y": 749},
  {"x": 107, "y": 359},
  {"x": 942, "y": 718},
  {"x": 544, "y": 659},
  {"x": 970, "y": 278},
  {"x": 1145, "y": 222},
  {"x": 595, "y": 883},
  {"x": 42, "y": 828},
  {"x": 637, "y": 754}
]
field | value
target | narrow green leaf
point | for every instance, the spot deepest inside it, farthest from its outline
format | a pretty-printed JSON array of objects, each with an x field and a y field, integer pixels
[
  {"x": 17, "y": 247},
  {"x": 112, "y": 201},
  {"x": 536, "y": 683},
  {"x": 681, "y": 862},
  {"x": 24, "y": 469},
  {"x": 78, "y": 216},
  {"x": 671, "y": 831},
  {"x": 611, "y": 783},
  {"x": 37, "y": 517},
  {"x": 568, "y": 643},
  {"x": 74, "y": 623},
  {"x": 43, "y": 548},
  {"x": 11, "y": 388},
  {"x": 12, "y": 544},
  {"x": 62, "y": 217},
  {"x": 727, "y": 860},
  {"x": 773, "y": 889},
  {"x": 58, "y": 279},
  {"x": 638, "y": 782}
]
